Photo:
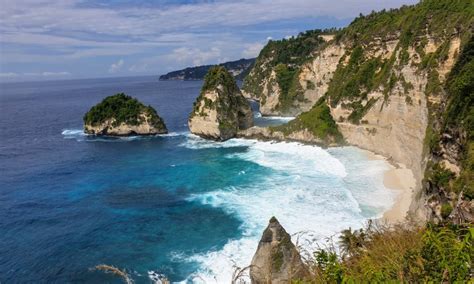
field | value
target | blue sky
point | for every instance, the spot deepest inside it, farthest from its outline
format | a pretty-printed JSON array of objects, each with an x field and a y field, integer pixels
[{"x": 66, "y": 39}]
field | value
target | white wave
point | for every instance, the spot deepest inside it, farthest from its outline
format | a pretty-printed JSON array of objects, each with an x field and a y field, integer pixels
[
  {"x": 284, "y": 156},
  {"x": 279, "y": 118},
  {"x": 73, "y": 132},
  {"x": 309, "y": 190},
  {"x": 156, "y": 278},
  {"x": 79, "y": 135},
  {"x": 174, "y": 134},
  {"x": 196, "y": 142}
]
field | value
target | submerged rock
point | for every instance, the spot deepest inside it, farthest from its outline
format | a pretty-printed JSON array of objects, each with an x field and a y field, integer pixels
[
  {"x": 276, "y": 260},
  {"x": 221, "y": 110},
  {"x": 122, "y": 115}
]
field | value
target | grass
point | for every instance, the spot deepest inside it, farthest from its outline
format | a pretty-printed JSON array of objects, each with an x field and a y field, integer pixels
[{"x": 401, "y": 253}]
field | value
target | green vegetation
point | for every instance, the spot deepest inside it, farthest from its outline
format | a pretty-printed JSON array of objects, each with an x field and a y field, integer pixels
[
  {"x": 220, "y": 80},
  {"x": 446, "y": 209},
  {"x": 123, "y": 109},
  {"x": 459, "y": 115},
  {"x": 290, "y": 87},
  {"x": 379, "y": 254},
  {"x": 439, "y": 19},
  {"x": 285, "y": 57},
  {"x": 317, "y": 121},
  {"x": 456, "y": 121},
  {"x": 216, "y": 76}
]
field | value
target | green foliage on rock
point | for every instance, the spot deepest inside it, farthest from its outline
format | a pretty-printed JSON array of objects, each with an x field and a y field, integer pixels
[
  {"x": 285, "y": 58},
  {"x": 216, "y": 76},
  {"x": 439, "y": 19},
  {"x": 123, "y": 109},
  {"x": 232, "y": 109},
  {"x": 318, "y": 121},
  {"x": 291, "y": 90},
  {"x": 455, "y": 123}
]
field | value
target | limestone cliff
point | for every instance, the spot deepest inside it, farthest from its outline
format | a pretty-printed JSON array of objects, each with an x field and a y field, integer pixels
[
  {"x": 382, "y": 78},
  {"x": 276, "y": 260},
  {"x": 278, "y": 79},
  {"x": 220, "y": 110},
  {"x": 122, "y": 115}
]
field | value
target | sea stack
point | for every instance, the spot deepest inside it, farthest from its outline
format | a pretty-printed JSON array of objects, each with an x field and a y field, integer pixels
[
  {"x": 220, "y": 110},
  {"x": 276, "y": 260},
  {"x": 122, "y": 115}
]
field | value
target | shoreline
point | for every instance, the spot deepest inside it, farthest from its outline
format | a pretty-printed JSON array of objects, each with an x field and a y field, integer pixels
[{"x": 399, "y": 179}]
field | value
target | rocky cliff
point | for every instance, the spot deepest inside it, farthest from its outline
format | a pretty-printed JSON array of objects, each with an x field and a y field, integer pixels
[
  {"x": 278, "y": 80},
  {"x": 122, "y": 115},
  {"x": 276, "y": 260},
  {"x": 220, "y": 110},
  {"x": 382, "y": 77}
]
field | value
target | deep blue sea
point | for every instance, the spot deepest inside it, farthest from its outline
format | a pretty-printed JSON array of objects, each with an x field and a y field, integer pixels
[{"x": 175, "y": 204}]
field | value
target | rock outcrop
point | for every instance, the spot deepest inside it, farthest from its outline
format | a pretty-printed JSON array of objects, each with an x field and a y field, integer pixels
[
  {"x": 220, "y": 111},
  {"x": 122, "y": 115},
  {"x": 276, "y": 260}
]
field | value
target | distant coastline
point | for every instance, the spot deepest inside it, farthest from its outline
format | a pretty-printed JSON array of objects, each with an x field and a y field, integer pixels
[{"x": 238, "y": 68}]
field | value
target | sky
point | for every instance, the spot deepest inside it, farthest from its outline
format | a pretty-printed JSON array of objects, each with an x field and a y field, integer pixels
[{"x": 70, "y": 39}]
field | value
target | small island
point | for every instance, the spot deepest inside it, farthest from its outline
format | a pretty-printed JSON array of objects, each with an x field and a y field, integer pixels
[
  {"x": 220, "y": 110},
  {"x": 122, "y": 115}
]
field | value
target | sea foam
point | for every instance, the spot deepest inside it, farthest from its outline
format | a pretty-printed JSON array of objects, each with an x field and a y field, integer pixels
[
  {"x": 314, "y": 193},
  {"x": 79, "y": 135}
]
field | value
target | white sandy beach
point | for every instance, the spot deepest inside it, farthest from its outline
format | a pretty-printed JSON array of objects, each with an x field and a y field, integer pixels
[{"x": 401, "y": 180}]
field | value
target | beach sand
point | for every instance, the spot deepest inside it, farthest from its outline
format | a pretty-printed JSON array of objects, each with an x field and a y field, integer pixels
[{"x": 401, "y": 180}]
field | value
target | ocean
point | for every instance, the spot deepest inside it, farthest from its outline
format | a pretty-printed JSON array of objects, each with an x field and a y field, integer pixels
[{"x": 175, "y": 204}]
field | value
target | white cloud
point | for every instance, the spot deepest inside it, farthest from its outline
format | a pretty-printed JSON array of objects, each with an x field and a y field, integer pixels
[
  {"x": 116, "y": 67},
  {"x": 252, "y": 50},
  {"x": 41, "y": 17},
  {"x": 138, "y": 68},
  {"x": 55, "y": 74},
  {"x": 195, "y": 56},
  {"x": 49, "y": 31},
  {"x": 8, "y": 75},
  {"x": 33, "y": 75}
]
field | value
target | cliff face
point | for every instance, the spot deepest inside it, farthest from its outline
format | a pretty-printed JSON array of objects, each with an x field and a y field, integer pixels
[
  {"x": 277, "y": 80},
  {"x": 122, "y": 115},
  {"x": 276, "y": 260},
  {"x": 449, "y": 175},
  {"x": 111, "y": 128},
  {"x": 381, "y": 77},
  {"x": 220, "y": 110}
]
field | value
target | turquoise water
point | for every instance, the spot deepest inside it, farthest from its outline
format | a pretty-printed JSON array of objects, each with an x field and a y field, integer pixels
[{"x": 176, "y": 204}]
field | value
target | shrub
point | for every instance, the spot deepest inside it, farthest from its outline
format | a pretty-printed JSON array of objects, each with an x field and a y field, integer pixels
[
  {"x": 318, "y": 121},
  {"x": 402, "y": 253},
  {"x": 446, "y": 209}
]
